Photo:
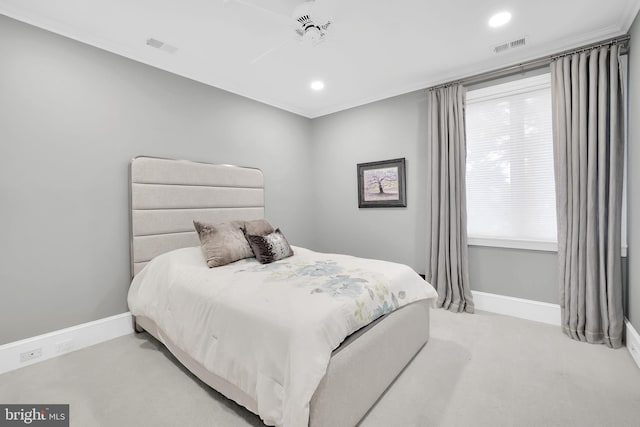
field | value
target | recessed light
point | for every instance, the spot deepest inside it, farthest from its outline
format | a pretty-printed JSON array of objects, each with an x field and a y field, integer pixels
[
  {"x": 317, "y": 85},
  {"x": 499, "y": 19}
]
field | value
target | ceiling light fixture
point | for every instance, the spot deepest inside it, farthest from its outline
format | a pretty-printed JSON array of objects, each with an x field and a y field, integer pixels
[
  {"x": 499, "y": 19},
  {"x": 317, "y": 85}
]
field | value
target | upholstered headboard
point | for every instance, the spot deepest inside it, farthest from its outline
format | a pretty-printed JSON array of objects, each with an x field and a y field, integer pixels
[{"x": 167, "y": 195}]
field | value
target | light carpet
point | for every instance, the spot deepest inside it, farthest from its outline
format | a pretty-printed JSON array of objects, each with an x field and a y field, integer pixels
[{"x": 477, "y": 370}]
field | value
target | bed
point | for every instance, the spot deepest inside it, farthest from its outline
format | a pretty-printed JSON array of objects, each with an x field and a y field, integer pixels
[{"x": 166, "y": 196}]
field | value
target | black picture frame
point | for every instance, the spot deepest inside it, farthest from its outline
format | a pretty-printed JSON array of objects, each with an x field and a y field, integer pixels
[{"x": 382, "y": 184}]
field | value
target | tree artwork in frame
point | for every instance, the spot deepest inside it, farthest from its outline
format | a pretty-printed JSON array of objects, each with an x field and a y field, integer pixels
[{"x": 382, "y": 184}]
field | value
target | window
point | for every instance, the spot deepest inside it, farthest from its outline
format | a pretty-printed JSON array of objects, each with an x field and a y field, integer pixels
[{"x": 510, "y": 170}]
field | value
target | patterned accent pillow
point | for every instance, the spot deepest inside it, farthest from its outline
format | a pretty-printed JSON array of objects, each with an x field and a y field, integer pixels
[
  {"x": 258, "y": 227},
  {"x": 271, "y": 247},
  {"x": 223, "y": 243}
]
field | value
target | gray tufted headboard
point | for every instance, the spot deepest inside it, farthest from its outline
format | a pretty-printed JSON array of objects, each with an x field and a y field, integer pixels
[{"x": 167, "y": 195}]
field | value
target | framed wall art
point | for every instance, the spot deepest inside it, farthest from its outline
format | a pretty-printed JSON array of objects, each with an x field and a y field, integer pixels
[{"x": 382, "y": 184}]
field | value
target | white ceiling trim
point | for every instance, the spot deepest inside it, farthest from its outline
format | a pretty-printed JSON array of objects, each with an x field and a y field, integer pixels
[
  {"x": 629, "y": 15},
  {"x": 466, "y": 72},
  {"x": 168, "y": 62},
  {"x": 59, "y": 28}
]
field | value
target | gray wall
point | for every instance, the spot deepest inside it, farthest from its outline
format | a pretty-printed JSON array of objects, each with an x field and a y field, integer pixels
[
  {"x": 71, "y": 117},
  {"x": 391, "y": 128},
  {"x": 382, "y": 130},
  {"x": 515, "y": 272},
  {"x": 633, "y": 293}
]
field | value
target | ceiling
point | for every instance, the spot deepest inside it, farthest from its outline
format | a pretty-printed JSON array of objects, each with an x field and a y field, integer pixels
[{"x": 374, "y": 49}]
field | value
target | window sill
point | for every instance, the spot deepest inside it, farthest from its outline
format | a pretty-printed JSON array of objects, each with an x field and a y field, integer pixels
[
  {"x": 514, "y": 244},
  {"x": 531, "y": 245}
]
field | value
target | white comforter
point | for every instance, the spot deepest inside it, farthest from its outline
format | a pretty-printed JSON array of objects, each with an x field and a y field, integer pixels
[{"x": 270, "y": 329}]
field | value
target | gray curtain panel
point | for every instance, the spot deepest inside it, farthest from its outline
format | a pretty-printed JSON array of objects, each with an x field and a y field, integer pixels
[
  {"x": 589, "y": 160},
  {"x": 447, "y": 268}
]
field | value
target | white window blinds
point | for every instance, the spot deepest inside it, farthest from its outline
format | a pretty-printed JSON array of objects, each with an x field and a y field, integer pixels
[{"x": 510, "y": 171}]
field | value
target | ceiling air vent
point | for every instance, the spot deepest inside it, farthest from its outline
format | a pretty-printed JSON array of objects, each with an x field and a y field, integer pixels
[
  {"x": 501, "y": 48},
  {"x": 161, "y": 45}
]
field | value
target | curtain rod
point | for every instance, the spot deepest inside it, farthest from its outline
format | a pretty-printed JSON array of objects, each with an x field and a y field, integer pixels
[{"x": 530, "y": 65}]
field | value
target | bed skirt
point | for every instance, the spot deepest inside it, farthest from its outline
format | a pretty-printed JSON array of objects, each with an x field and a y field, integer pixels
[{"x": 359, "y": 372}]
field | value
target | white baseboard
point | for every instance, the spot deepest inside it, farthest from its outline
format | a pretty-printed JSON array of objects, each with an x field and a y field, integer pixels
[
  {"x": 542, "y": 312},
  {"x": 517, "y": 307},
  {"x": 633, "y": 341},
  {"x": 56, "y": 343}
]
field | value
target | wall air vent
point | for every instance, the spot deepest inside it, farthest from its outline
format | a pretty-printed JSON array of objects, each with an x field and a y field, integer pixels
[
  {"x": 503, "y": 47},
  {"x": 161, "y": 45}
]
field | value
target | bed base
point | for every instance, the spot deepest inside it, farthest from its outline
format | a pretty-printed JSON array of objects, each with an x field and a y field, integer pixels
[{"x": 359, "y": 372}]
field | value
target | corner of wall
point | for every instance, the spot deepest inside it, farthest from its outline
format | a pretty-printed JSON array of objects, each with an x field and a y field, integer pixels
[{"x": 633, "y": 205}]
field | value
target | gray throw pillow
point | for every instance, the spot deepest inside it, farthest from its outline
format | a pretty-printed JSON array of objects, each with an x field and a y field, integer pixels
[
  {"x": 222, "y": 243},
  {"x": 271, "y": 247},
  {"x": 258, "y": 227}
]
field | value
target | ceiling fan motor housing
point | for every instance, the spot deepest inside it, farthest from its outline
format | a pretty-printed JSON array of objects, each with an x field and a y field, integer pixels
[
  {"x": 306, "y": 22},
  {"x": 309, "y": 29}
]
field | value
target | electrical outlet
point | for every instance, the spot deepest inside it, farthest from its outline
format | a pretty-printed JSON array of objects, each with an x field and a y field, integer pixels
[
  {"x": 64, "y": 346},
  {"x": 31, "y": 354}
]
